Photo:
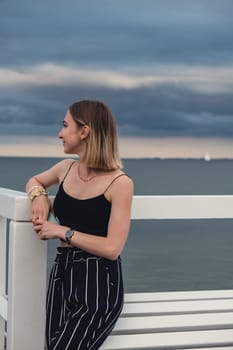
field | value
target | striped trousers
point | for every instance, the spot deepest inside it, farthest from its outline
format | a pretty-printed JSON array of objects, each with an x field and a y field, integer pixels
[{"x": 84, "y": 300}]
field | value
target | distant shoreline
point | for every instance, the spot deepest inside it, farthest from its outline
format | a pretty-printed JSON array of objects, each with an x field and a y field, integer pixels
[
  {"x": 130, "y": 147},
  {"x": 123, "y": 158}
]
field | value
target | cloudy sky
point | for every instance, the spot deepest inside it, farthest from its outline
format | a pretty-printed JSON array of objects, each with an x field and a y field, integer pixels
[{"x": 165, "y": 67}]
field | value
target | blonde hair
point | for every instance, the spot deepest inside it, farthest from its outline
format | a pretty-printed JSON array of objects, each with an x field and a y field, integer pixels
[{"x": 102, "y": 143}]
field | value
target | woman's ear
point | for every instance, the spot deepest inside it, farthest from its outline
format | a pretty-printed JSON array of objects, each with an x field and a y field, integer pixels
[{"x": 85, "y": 131}]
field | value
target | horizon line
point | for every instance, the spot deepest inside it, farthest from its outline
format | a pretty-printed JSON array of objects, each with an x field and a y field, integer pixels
[{"x": 129, "y": 147}]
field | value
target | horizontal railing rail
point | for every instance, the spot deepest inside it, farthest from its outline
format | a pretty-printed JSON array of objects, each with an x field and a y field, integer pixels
[{"x": 23, "y": 257}]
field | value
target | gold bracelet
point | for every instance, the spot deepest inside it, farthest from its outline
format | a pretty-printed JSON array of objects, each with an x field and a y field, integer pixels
[
  {"x": 34, "y": 187},
  {"x": 37, "y": 192}
]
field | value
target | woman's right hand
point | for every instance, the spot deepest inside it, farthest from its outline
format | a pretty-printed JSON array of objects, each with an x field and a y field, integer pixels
[{"x": 40, "y": 208}]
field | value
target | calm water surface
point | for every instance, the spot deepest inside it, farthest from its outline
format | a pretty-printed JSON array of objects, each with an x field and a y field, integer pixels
[{"x": 162, "y": 254}]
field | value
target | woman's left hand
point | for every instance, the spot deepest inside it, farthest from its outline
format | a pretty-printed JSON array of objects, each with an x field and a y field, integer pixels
[{"x": 49, "y": 230}]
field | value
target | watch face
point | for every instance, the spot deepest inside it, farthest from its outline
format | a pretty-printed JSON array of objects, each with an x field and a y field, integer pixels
[{"x": 68, "y": 235}]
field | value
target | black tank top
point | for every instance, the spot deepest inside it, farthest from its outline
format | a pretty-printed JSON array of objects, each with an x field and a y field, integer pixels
[{"x": 85, "y": 215}]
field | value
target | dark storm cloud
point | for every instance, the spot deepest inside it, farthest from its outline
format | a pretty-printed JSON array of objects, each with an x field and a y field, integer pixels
[
  {"x": 126, "y": 37},
  {"x": 163, "y": 110}
]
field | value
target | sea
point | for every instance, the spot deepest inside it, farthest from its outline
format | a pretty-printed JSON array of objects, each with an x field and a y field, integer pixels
[{"x": 161, "y": 255}]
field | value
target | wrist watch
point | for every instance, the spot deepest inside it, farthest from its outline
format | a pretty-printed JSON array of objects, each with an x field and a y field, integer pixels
[{"x": 68, "y": 235}]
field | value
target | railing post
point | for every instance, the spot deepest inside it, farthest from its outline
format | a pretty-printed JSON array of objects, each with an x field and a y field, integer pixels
[
  {"x": 2, "y": 275},
  {"x": 27, "y": 288}
]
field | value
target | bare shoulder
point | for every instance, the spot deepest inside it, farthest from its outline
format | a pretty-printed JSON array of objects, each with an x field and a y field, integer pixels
[
  {"x": 62, "y": 167},
  {"x": 123, "y": 183},
  {"x": 65, "y": 163},
  {"x": 121, "y": 191}
]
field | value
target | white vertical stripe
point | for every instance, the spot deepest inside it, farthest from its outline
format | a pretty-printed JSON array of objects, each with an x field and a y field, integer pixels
[
  {"x": 118, "y": 287},
  {"x": 71, "y": 283},
  {"x": 51, "y": 298},
  {"x": 62, "y": 311},
  {"x": 108, "y": 289},
  {"x": 96, "y": 271}
]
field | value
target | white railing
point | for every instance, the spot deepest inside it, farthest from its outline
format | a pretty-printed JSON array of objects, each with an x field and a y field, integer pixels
[{"x": 22, "y": 301}]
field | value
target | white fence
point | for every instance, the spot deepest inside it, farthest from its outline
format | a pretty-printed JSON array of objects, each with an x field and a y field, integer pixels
[{"x": 22, "y": 298}]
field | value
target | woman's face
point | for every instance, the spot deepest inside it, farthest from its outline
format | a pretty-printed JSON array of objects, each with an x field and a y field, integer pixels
[{"x": 71, "y": 135}]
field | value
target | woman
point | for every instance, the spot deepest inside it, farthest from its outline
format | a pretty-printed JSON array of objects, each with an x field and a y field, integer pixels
[{"x": 92, "y": 205}]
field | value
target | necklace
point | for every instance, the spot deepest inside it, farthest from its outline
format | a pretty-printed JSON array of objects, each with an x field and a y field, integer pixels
[{"x": 86, "y": 179}]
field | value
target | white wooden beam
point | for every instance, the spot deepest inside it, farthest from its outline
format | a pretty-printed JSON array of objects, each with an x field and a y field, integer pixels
[
  {"x": 27, "y": 289},
  {"x": 182, "y": 207}
]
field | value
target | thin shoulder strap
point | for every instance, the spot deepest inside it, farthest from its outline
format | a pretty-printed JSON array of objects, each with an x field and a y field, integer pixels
[
  {"x": 114, "y": 180},
  {"x": 68, "y": 171}
]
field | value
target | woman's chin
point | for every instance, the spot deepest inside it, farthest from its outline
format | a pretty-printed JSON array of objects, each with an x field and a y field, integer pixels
[{"x": 68, "y": 151}]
